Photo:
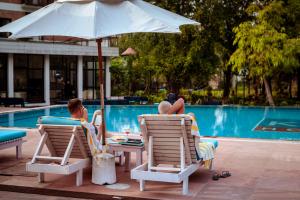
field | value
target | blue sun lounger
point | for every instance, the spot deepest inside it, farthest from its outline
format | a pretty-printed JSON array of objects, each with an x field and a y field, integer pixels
[{"x": 12, "y": 138}]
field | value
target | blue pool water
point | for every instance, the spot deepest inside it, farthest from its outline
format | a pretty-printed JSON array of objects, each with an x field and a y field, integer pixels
[{"x": 220, "y": 121}]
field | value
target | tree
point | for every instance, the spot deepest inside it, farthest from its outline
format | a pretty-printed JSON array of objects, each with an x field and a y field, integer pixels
[
  {"x": 118, "y": 72},
  {"x": 292, "y": 26},
  {"x": 263, "y": 45},
  {"x": 181, "y": 7},
  {"x": 218, "y": 18},
  {"x": 182, "y": 60}
]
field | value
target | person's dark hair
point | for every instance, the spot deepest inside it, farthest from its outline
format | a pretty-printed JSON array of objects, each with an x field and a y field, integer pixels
[
  {"x": 74, "y": 105},
  {"x": 172, "y": 97}
]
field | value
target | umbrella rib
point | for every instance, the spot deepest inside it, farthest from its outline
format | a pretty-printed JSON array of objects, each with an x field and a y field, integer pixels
[{"x": 95, "y": 18}]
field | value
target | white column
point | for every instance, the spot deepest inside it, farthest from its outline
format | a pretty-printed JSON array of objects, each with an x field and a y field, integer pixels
[
  {"x": 10, "y": 75},
  {"x": 47, "y": 79},
  {"x": 108, "y": 78},
  {"x": 80, "y": 77}
]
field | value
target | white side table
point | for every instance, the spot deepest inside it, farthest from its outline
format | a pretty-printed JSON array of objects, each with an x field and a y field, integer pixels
[{"x": 127, "y": 151}]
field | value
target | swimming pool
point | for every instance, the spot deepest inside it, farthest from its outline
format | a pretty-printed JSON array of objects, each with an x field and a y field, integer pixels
[{"x": 220, "y": 121}]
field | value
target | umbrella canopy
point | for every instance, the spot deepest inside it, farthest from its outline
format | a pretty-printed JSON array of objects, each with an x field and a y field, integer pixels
[
  {"x": 96, "y": 19},
  {"x": 92, "y": 19}
]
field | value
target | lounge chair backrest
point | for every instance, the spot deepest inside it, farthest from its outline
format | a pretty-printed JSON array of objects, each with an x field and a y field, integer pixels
[
  {"x": 166, "y": 132},
  {"x": 96, "y": 120},
  {"x": 59, "y": 137}
]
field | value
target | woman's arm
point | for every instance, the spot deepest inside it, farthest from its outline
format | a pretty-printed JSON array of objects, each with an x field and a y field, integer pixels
[
  {"x": 177, "y": 107},
  {"x": 85, "y": 114}
]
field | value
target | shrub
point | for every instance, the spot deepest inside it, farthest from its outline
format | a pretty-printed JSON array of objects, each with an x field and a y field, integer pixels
[
  {"x": 283, "y": 103},
  {"x": 187, "y": 94},
  {"x": 196, "y": 97},
  {"x": 162, "y": 93},
  {"x": 252, "y": 103},
  {"x": 154, "y": 99},
  {"x": 139, "y": 93}
]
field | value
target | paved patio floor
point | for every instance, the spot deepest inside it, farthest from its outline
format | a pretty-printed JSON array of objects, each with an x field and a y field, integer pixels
[{"x": 261, "y": 169}]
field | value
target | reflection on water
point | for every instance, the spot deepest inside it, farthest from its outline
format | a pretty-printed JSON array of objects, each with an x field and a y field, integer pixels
[
  {"x": 47, "y": 112},
  {"x": 220, "y": 117},
  {"x": 11, "y": 119},
  {"x": 121, "y": 118}
]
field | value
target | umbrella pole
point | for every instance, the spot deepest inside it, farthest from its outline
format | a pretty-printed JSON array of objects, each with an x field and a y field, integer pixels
[{"x": 101, "y": 89}]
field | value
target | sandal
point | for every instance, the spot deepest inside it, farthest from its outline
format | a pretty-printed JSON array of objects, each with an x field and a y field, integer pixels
[
  {"x": 225, "y": 174},
  {"x": 215, "y": 176}
]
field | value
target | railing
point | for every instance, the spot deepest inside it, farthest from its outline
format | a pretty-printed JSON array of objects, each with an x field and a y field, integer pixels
[
  {"x": 113, "y": 41},
  {"x": 37, "y": 2}
]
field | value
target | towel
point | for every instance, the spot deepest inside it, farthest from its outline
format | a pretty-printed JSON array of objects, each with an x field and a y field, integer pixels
[
  {"x": 91, "y": 134},
  {"x": 194, "y": 128},
  {"x": 206, "y": 152}
]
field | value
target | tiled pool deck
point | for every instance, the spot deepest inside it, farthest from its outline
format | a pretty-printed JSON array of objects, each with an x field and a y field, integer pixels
[
  {"x": 261, "y": 169},
  {"x": 10, "y": 109}
]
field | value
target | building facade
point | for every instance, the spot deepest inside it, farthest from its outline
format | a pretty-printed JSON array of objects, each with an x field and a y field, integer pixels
[{"x": 45, "y": 70}]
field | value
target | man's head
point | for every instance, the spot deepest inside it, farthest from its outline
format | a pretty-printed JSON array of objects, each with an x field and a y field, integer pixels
[
  {"x": 164, "y": 107},
  {"x": 75, "y": 107}
]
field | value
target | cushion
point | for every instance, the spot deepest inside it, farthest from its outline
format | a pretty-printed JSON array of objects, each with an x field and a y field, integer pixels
[
  {"x": 58, "y": 120},
  {"x": 213, "y": 141},
  {"x": 7, "y": 134}
]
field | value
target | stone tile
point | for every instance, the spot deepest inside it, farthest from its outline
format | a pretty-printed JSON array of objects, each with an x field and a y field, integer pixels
[
  {"x": 6, "y": 109},
  {"x": 275, "y": 194},
  {"x": 16, "y": 196},
  {"x": 280, "y": 179},
  {"x": 222, "y": 190}
]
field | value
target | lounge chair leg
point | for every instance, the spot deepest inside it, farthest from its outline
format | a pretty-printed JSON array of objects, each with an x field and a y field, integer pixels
[
  {"x": 41, "y": 177},
  {"x": 79, "y": 177},
  {"x": 127, "y": 161},
  {"x": 121, "y": 159},
  {"x": 185, "y": 186},
  {"x": 142, "y": 185},
  {"x": 19, "y": 151}
]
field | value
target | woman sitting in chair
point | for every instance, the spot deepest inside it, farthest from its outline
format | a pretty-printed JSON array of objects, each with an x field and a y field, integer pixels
[
  {"x": 203, "y": 147},
  {"x": 166, "y": 107}
]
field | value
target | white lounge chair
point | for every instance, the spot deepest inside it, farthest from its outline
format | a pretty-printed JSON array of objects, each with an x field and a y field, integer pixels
[
  {"x": 67, "y": 145},
  {"x": 171, "y": 150}
]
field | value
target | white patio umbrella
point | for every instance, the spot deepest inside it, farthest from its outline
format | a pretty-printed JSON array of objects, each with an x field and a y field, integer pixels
[{"x": 94, "y": 20}]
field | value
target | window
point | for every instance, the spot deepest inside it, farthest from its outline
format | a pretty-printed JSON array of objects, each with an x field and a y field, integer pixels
[
  {"x": 63, "y": 77},
  {"x": 29, "y": 77},
  {"x": 38, "y": 2},
  {"x": 91, "y": 88},
  {"x": 4, "y": 21}
]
